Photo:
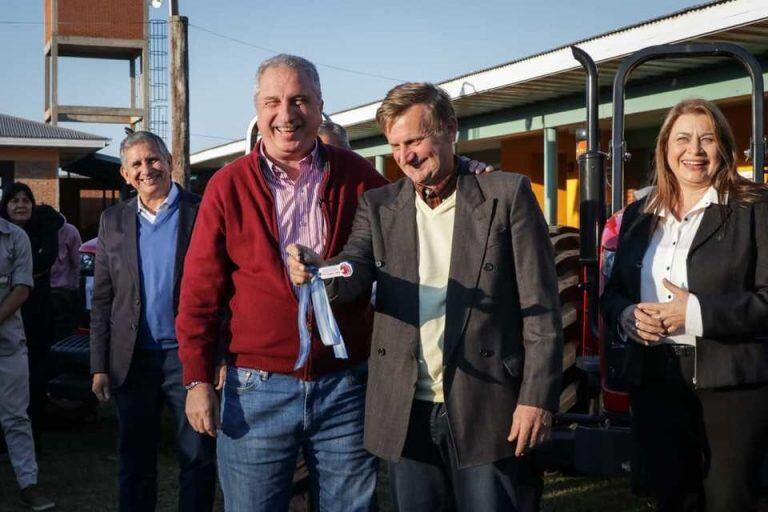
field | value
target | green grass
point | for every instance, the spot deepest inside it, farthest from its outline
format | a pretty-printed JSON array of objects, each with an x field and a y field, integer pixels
[
  {"x": 79, "y": 470},
  {"x": 588, "y": 494}
]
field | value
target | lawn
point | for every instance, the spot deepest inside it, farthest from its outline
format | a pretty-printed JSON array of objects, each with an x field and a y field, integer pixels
[{"x": 79, "y": 469}]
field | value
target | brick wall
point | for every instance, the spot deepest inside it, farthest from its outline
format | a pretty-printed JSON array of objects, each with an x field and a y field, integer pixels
[
  {"x": 42, "y": 178},
  {"x": 120, "y": 19}
]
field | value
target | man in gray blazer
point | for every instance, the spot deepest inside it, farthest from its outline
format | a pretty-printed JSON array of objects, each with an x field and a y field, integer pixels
[
  {"x": 466, "y": 355},
  {"x": 134, "y": 352}
]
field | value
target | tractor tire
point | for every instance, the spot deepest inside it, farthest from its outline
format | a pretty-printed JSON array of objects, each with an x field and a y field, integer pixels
[{"x": 565, "y": 242}]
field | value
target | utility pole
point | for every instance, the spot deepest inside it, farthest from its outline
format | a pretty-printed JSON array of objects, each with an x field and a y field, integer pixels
[{"x": 179, "y": 95}]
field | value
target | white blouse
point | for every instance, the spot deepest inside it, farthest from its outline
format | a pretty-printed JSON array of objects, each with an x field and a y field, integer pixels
[{"x": 666, "y": 257}]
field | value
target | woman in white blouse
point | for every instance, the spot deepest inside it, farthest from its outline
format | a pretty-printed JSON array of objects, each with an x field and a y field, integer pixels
[{"x": 689, "y": 296}]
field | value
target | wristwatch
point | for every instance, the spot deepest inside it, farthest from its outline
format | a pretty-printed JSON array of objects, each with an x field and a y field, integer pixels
[{"x": 192, "y": 384}]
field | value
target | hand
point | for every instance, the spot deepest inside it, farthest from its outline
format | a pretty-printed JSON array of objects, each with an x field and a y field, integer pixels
[
  {"x": 477, "y": 167},
  {"x": 100, "y": 386},
  {"x": 530, "y": 426},
  {"x": 641, "y": 326},
  {"x": 299, "y": 260},
  {"x": 670, "y": 314},
  {"x": 203, "y": 409},
  {"x": 221, "y": 377}
]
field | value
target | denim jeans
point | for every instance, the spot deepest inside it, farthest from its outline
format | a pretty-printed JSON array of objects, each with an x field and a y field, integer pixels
[
  {"x": 267, "y": 418},
  {"x": 154, "y": 380}
]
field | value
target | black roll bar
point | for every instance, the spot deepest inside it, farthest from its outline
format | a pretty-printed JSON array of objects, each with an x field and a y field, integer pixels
[
  {"x": 591, "y": 170},
  {"x": 592, "y": 201},
  {"x": 668, "y": 51}
]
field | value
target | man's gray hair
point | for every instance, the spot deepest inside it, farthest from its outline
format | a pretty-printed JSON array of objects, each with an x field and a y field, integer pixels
[
  {"x": 328, "y": 126},
  {"x": 294, "y": 62},
  {"x": 144, "y": 137}
]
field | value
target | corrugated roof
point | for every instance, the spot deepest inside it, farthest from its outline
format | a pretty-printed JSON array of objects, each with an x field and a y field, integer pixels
[{"x": 18, "y": 128}]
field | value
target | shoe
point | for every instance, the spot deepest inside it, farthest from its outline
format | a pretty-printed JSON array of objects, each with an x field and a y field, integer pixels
[{"x": 33, "y": 497}]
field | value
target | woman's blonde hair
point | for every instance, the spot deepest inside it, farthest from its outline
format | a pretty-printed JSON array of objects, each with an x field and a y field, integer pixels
[{"x": 727, "y": 181}]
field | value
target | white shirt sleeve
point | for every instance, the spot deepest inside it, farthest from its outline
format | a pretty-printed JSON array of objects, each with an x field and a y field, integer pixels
[{"x": 693, "y": 322}]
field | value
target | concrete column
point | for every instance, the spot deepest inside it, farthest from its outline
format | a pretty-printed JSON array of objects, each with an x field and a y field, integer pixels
[
  {"x": 550, "y": 175},
  {"x": 380, "y": 164}
]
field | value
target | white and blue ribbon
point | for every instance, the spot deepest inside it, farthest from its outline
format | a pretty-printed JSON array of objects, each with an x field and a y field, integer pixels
[{"x": 330, "y": 335}]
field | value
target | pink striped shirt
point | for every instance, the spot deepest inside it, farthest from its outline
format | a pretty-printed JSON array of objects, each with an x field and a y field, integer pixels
[{"x": 297, "y": 203}]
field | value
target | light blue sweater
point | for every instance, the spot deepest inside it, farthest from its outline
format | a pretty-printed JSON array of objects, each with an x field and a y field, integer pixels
[{"x": 157, "y": 258}]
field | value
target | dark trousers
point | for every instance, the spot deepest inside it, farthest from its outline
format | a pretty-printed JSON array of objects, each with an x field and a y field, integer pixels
[
  {"x": 37, "y": 355},
  {"x": 155, "y": 379},
  {"x": 427, "y": 476},
  {"x": 696, "y": 450},
  {"x": 64, "y": 308}
]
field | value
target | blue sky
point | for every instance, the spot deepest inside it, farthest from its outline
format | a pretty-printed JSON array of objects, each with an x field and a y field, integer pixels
[{"x": 383, "y": 41}]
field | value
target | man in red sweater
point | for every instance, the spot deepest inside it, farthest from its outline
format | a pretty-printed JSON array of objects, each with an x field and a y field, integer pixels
[{"x": 291, "y": 189}]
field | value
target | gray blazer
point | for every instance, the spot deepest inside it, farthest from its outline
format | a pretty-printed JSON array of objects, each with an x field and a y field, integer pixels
[
  {"x": 116, "y": 304},
  {"x": 503, "y": 334}
]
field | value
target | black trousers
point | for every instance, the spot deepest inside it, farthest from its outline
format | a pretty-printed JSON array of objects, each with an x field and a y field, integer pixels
[
  {"x": 696, "y": 450},
  {"x": 64, "y": 310},
  {"x": 427, "y": 476},
  {"x": 37, "y": 356},
  {"x": 155, "y": 380}
]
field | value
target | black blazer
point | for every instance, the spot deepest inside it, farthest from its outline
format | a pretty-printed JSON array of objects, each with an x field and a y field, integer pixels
[
  {"x": 728, "y": 273},
  {"x": 116, "y": 303}
]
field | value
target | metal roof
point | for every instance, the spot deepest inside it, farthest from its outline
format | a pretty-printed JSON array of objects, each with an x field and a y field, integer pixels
[
  {"x": 25, "y": 132},
  {"x": 555, "y": 73}
]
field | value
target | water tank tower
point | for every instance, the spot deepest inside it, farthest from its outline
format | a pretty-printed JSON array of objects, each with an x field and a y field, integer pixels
[{"x": 98, "y": 29}]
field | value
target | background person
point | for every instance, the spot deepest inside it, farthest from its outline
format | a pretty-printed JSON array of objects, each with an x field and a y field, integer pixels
[
  {"x": 689, "y": 293},
  {"x": 41, "y": 224},
  {"x": 65, "y": 282},
  {"x": 333, "y": 134},
  {"x": 134, "y": 352}
]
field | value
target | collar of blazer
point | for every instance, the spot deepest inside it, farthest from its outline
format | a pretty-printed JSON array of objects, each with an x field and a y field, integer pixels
[
  {"x": 715, "y": 217},
  {"x": 638, "y": 234}
]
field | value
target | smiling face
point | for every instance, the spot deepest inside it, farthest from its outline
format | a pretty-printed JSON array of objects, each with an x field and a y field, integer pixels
[
  {"x": 289, "y": 112},
  {"x": 20, "y": 208},
  {"x": 424, "y": 156},
  {"x": 145, "y": 169},
  {"x": 693, "y": 152}
]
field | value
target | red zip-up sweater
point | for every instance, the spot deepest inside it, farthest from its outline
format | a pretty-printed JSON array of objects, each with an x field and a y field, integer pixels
[{"x": 234, "y": 260}]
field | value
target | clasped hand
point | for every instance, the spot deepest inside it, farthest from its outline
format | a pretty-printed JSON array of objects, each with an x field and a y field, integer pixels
[{"x": 648, "y": 322}]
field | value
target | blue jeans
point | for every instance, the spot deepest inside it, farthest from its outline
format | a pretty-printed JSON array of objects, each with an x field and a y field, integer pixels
[
  {"x": 153, "y": 380},
  {"x": 267, "y": 418}
]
